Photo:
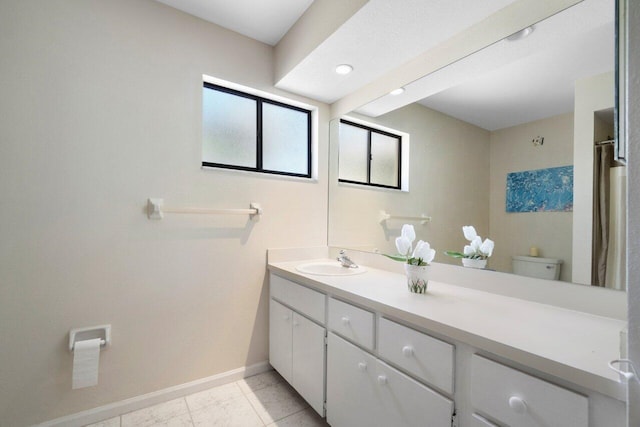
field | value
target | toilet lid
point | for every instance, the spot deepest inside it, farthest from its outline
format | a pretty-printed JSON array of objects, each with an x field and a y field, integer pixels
[{"x": 537, "y": 259}]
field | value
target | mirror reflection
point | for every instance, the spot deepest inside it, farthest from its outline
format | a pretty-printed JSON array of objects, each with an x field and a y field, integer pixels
[{"x": 515, "y": 140}]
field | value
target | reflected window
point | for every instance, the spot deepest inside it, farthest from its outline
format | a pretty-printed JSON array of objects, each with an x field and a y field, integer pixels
[
  {"x": 369, "y": 156},
  {"x": 248, "y": 132}
]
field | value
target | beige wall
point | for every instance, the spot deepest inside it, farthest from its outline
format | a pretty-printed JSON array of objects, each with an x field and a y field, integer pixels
[
  {"x": 591, "y": 94},
  {"x": 449, "y": 181},
  {"x": 477, "y": 184},
  {"x": 100, "y": 109},
  {"x": 515, "y": 233}
]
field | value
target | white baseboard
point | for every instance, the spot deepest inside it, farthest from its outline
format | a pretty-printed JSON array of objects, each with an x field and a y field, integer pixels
[{"x": 122, "y": 407}]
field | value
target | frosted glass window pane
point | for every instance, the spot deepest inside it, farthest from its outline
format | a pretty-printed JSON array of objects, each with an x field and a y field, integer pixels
[
  {"x": 229, "y": 129},
  {"x": 353, "y": 153},
  {"x": 384, "y": 160},
  {"x": 285, "y": 139}
]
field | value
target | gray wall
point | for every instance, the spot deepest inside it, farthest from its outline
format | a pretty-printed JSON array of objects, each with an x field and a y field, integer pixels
[{"x": 633, "y": 225}]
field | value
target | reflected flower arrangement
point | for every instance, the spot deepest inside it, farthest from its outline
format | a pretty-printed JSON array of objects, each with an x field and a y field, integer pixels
[{"x": 477, "y": 248}]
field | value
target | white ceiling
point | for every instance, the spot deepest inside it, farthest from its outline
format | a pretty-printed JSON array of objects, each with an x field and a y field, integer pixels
[
  {"x": 505, "y": 84},
  {"x": 510, "y": 83},
  {"x": 380, "y": 36},
  {"x": 535, "y": 87},
  {"x": 263, "y": 20}
]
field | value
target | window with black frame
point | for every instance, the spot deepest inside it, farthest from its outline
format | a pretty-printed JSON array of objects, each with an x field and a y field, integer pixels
[
  {"x": 369, "y": 156},
  {"x": 248, "y": 132}
]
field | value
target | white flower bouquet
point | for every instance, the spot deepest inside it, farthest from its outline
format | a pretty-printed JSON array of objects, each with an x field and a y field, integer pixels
[
  {"x": 416, "y": 261},
  {"x": 421, "y": 255}
]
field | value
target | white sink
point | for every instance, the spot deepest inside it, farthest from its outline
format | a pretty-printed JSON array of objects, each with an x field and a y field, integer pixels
[{"x": 328, "y": 268}]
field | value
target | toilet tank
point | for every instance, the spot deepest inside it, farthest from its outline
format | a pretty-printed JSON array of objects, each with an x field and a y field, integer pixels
[{"x": 542, "y": 268}]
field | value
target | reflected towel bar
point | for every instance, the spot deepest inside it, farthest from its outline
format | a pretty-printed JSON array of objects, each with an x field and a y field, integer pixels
[
  {"x": 383, "y": 216},
  {"x": 156, "y": 210}
]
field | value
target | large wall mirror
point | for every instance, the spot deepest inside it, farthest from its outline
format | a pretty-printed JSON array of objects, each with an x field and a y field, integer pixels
[{"x": 516, "y": 140}]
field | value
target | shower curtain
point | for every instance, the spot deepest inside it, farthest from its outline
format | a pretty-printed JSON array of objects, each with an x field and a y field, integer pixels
[
  {"x": 602, "y": 162},
  {"x": 617, "y": 256},
  {"x": 608, "y": 267}
]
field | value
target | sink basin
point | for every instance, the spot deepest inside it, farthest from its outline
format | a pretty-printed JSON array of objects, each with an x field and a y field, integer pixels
[{"x": 328, "y": 268}]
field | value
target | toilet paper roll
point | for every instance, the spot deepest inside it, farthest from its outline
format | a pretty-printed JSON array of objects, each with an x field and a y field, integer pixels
[{"x": 86, "y": 357}]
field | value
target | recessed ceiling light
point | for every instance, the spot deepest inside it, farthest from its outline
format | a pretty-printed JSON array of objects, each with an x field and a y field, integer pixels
[
  {"x": 520, "y": 34},
  {"x": 397, "y": 91},
  {"x": 344, "y": 69}
]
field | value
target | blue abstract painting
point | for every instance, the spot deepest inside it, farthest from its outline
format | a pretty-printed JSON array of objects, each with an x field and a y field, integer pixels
[{"x": 542, "y": 190}]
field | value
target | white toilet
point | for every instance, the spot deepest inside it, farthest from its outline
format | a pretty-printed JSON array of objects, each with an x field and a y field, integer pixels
[{"x": 542, "y": 268}]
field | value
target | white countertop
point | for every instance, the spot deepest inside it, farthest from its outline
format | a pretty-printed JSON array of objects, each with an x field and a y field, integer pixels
[{"x": 571, "y": 345}]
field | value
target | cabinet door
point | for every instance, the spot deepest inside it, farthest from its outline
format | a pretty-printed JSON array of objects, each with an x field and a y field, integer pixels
[
  {"x": 478, "y": 421},
  {"x": 408, "y": 403},
  {"x": 308, "y": 361},
  {"x": 280, "y": 339},
  {"x": 352, "y": 399}
]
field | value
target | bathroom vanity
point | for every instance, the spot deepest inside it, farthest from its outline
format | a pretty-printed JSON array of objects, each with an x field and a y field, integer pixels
[{"x": 363, "y": 351}]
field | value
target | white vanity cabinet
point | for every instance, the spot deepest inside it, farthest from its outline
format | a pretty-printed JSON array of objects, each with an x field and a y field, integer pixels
[
  {"x": 364, "y": 364},
  {"x": 296, "y": 343}
]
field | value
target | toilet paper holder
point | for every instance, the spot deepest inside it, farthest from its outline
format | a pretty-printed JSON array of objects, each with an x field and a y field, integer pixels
[{"x": 81, "y": 334}]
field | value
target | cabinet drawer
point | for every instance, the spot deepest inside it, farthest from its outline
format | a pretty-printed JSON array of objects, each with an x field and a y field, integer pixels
[
  {"x": 307, "y": 301},
  {"x": 518, "y": 399},
  {"x": 426, "y": 357},
  {"x": 351, "y": 322}
]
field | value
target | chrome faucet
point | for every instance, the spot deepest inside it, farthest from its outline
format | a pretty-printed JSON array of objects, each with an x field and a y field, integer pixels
[{"x": 345, "y": 260}]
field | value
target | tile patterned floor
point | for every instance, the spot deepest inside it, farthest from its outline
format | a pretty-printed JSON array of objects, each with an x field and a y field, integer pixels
[{"x": 261, "y": 400}]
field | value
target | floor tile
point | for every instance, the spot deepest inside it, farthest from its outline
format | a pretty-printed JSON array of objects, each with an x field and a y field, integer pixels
[
  {"x": 213, "y": 396},
  {"x": 183, "y": 420},
  {"x": 157, "y": 415},
  {"x": 260, "y": 381},
  {"x": 111, "y": 422},
  {"x": 236, "y": 412},
  {"x": 264, "y": 399},
  {"x": 276, "y": 402},
  {"x": 305, "y": 418}
]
